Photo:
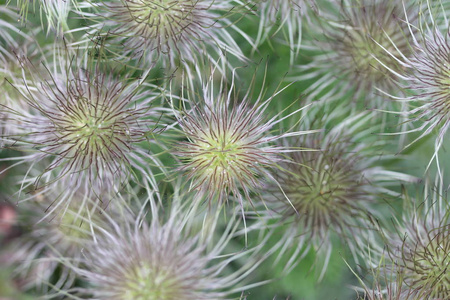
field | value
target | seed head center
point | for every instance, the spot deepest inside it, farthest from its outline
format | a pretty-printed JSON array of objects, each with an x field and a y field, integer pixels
[
  {"x": 221, "y": 153},
  {"x": 146, "y": 283},
  {"x": 162, "y": 15},
  {"x": 431, "y": 265}
]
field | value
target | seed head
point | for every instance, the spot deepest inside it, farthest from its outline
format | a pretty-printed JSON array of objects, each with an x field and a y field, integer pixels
[
  {"x": 86, "y": 123},
  {"x": 372, "y": 36},
  {"x": 421, "y": 250},
  {"x": 328, "y": 187},
  {"x": 174, "y": 31},
  {"x": 163, "y": 259},
  {"x": 229, "y": 149},
  {"x": 55, "y": 232}
]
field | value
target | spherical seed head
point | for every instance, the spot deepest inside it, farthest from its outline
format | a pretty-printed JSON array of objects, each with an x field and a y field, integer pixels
[
  {"x": 172, "y": 29},
  {"x": 88, "y": 124},
  {"x": 427, "y": 263},
  {"x": 371, "y": 37},
  {"x": 227, "y": 150},
  {"x": 326, "y": 186},
  {"x": 374, "y": 26},
  {"x": 428, "y": 78},
  {"x": 155, "y": 262}
]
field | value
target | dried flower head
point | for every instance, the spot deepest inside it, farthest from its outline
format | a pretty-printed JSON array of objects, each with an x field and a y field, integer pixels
[
  {"x": 52, "y": 233},
  {"x": 421, "y": 248},
  {"x": 174, "y": 31},
  {"x": 356, "y": 47},
  {"x": 164, "y": 259},
  {"x": 85, "y": 123},
  {"x": 426, "y": 81},
  {"x": 329, "y": 186},
  {"x": 230, "y": 149}
]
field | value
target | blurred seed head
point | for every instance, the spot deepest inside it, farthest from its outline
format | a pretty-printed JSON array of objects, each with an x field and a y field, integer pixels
[
  {"x": 173, "y": 31},
  {"x": 326, "y": 185},
  {"x": 367, "y": 38},
  {"x": 165, "y": 258},
  {"x": 329, "y": 187},
  {"x": 51, "y": 235}
]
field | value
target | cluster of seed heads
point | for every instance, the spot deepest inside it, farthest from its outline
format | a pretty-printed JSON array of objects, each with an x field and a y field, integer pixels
[{"x": 242, "y": 173}]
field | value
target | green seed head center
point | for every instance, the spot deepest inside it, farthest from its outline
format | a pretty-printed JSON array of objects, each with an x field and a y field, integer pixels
[
  {"x": 443, "y": 80},
  {"x": 146, "y": 283},
  {"x": 91, "y": 125},
  {"x": 163, "y": 15},
  {"x": 220, "y": 153},
  {"x": 430, "y": 267}
]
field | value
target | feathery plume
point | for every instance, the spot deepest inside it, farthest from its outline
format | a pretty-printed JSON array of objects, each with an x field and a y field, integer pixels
[
  {"x": 286, "y": 16},
  {"x": 175, "y": 32},
  {"x": 164, "y": 258},
  {"x": 354, "y": 60},
  {"x": 329, "y": 186},
  {"x": 229, "y": 147},
  {"x": 86, "y": 124}
]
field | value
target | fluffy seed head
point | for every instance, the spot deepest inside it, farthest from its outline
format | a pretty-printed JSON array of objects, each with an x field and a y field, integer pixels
[
  {"x": 227, "y": 148},
  {"x": 58, "y": 231},
  {"x": 86, "y": 122},
  {"x": 428, "y": 80},
  {"x": 172, "y": 30},
  {"x": 326, "y": 185},
  {"x": 160, "y": 260},
  {"x": 374, "y": 26},
  {"x": 328, "y": 188},
  {"x": 373, "y": 36},
  {"x": 421, "y": 251}
]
